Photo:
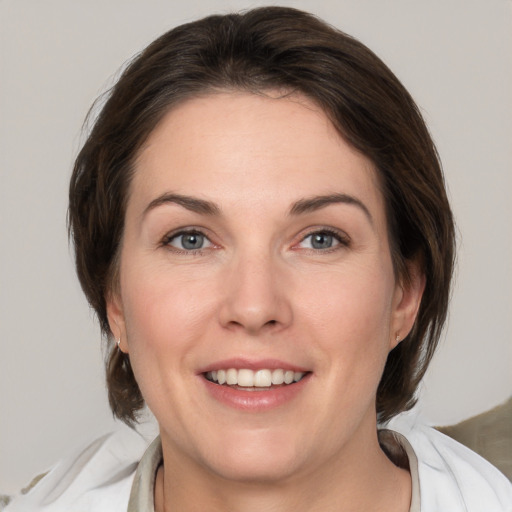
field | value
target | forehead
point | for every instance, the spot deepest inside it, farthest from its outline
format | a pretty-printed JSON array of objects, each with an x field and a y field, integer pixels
[{"x": 236, "y": 147}]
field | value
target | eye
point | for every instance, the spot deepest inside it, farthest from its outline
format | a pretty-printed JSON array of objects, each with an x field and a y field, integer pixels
[
  {"x": 188, "y": 241},
  {"x": 323, "y": 240}
]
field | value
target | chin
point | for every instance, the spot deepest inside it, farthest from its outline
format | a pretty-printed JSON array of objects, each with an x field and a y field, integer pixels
[
  {"x": 256, "y": 469},
  {"x": 256, "y": 457}
]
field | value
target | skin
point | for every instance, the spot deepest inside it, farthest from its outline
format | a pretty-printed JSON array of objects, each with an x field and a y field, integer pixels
[{"x": 258, "y": 288}]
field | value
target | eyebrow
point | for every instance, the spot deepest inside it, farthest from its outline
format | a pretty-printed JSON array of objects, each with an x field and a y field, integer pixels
[
  {"x": 193, "y": 204},
  {"x": 312, "y": 204},
  {"x": 306, "y": 205}
]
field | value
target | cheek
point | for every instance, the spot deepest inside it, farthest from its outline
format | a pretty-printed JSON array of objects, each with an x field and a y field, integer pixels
[
  {"x": 348, "y": 314},
  {"x": 165, "y": 321},
  {"x": 359, "y": 298},
  {"x": 164, "y": 313}
]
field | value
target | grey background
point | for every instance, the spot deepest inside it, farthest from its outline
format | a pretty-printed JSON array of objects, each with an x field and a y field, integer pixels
[{"x": 56, "y": 56}]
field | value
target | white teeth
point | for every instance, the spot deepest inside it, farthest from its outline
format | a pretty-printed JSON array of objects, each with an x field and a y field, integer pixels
[
  {"x": 248, "y": 378},
  {"x": 288, "y": 377},
  {"x": 263, "y": 379},
  {"x": 231, "y": 377},
  {"x": 277, "y": 377},
  {"x": 245, "y": 378}
]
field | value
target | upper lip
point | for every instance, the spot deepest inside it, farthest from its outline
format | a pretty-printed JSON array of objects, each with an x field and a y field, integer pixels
[{"x": 252, "y": 364}]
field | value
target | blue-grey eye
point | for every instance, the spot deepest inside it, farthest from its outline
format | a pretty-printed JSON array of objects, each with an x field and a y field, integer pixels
[
  {"x": 191, "y": 241},
  {"x": 320, "y": 240}
]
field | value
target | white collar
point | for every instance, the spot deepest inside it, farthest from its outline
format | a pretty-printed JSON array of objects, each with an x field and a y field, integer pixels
[{"x": 143, "y": 488}]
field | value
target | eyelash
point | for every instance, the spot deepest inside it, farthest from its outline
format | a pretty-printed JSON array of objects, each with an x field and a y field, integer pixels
[
  {"x": 166, "y": 242},
  {"x": 342, "y": 239}
]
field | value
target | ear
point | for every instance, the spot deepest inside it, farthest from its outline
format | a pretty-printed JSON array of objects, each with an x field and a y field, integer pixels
[
  {"x": 406, "y": 302},
  {"x": 116, "y": 320}
]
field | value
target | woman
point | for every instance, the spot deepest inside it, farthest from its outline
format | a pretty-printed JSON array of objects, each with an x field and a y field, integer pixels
[{"x": 261, "y": 226}]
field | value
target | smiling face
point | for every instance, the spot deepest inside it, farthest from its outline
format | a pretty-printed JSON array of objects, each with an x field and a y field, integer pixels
[{"x": 257, "y": 297}]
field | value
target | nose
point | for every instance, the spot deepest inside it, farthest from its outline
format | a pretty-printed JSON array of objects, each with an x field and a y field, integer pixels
[{"x": 256, "y": 297}]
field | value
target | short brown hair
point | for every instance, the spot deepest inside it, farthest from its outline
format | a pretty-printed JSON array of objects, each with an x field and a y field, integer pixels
[{"x": 267, "y": 49}]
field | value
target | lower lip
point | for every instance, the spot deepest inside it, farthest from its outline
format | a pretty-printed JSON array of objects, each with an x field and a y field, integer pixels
[{"x": 255, "y": 401}]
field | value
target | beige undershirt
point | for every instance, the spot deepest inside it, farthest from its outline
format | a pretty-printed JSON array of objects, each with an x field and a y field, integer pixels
[{"x": 143, "y": 488}]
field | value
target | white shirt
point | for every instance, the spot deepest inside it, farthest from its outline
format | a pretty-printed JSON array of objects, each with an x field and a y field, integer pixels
[{"x": 447, "y": 477}]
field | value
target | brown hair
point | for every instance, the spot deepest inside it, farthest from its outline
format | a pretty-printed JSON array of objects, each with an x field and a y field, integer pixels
[{"x": 262, "y": 49}]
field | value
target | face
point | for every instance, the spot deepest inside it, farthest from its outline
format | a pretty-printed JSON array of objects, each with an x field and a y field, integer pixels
[{"x": 257, "y": 297}]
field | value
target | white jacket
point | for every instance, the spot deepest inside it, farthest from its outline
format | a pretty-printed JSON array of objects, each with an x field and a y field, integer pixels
[{"x": 99, "y": 478}]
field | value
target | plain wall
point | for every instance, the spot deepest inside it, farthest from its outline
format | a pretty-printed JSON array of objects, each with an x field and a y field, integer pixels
[{"x": 56, "y": 56}]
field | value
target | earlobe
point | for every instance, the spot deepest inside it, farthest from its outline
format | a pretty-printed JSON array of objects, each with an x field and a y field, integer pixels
[
  {"x": 116, "y": 321},
  {"x": 407, "y": 303}
]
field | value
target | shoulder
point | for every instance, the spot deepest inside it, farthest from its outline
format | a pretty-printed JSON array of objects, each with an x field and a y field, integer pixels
[
  {"x": 96, "y": 478},
  {"x": 451, "y": 476}
]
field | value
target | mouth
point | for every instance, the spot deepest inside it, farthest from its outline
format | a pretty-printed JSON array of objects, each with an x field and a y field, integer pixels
[
  {"x": 255, "y": 386},
  {"x": 254, "y": 380}
]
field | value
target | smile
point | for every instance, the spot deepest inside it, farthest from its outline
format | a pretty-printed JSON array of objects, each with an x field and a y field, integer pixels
[
  {"x": 246, "y": 378},
  {"x": 255, "y": 386}
]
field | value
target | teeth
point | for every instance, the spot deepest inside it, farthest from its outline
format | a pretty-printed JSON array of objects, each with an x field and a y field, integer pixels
[
  {"x": 231, "y": 377},
  {"x": 244, "y": 378},
  {"x": 263, "y": 379},
  {"x": 277, "y": 377},
  {"x": 248, "y": 378}
]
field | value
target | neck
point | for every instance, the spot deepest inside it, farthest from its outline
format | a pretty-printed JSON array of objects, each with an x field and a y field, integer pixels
[{"x": 362, "y": 481}]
